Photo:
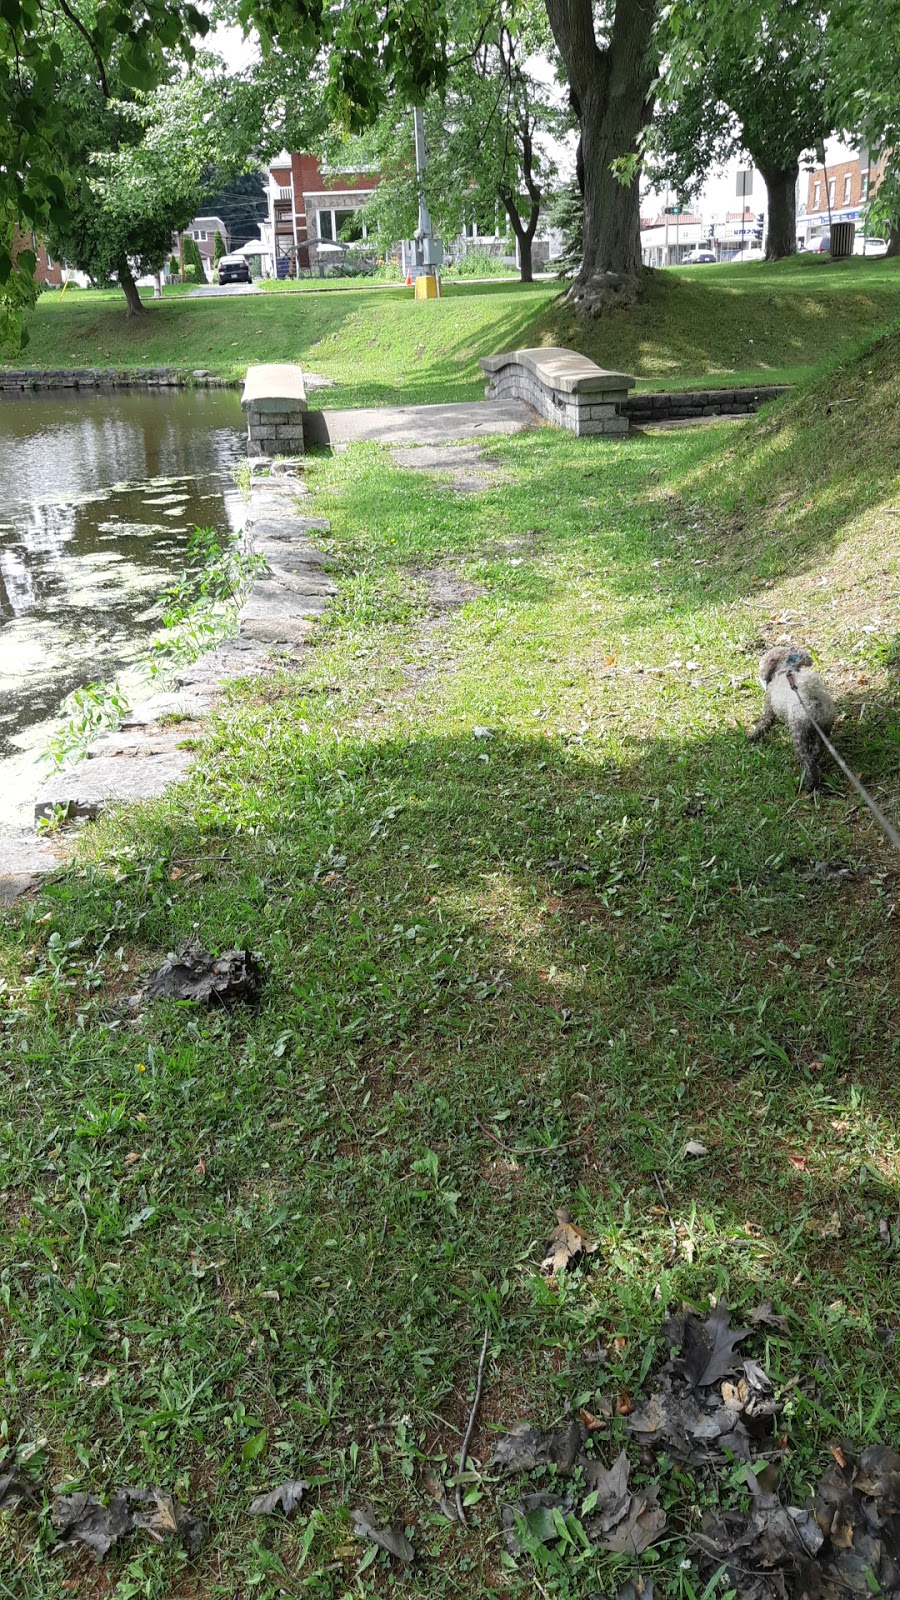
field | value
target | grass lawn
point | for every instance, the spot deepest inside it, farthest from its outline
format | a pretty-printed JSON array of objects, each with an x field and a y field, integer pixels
[
  {"x": 747, "y": 323},
  {"x": 504, "y": 973}
]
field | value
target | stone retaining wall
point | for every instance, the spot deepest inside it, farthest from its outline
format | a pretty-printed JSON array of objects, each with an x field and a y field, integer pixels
[
  {"x": 562, "y": 386},
  {"x": 581, "y": 414},
  {"x": 680, "y": 404},
  {"x": 111, "y": 378}
]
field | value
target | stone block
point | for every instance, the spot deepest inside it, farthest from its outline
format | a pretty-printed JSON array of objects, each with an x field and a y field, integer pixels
[{"x": 92, "y": 787}]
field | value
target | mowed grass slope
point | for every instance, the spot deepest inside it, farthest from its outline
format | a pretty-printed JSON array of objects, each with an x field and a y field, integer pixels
[
  {"x": 750, "y": 323},
  {"x": 504, "y": 973}
]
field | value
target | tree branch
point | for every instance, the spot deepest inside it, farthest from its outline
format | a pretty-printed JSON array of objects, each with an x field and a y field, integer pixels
[{"x": 91, "y": 44}]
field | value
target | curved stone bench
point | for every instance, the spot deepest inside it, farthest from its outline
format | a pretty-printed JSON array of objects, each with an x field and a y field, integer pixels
[
  {"x": 566, "y": 388},
  {"x": 274, "y": 398}
]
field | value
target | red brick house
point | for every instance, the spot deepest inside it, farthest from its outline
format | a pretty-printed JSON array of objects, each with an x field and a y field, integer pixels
[
  {"x": 49, "y": 273},
  {"x": 309, "y": 208},
  {"x": 837, "y": 193}
]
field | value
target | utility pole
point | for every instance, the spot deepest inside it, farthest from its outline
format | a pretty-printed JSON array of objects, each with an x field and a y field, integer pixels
[{"x": 429, "y": 250}]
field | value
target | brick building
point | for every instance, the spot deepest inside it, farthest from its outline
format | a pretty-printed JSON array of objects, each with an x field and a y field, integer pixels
[
  {"x": 309, "y": 209},
  {"x": 837, "y": 193},
  {"x": 50, "y": 273}
]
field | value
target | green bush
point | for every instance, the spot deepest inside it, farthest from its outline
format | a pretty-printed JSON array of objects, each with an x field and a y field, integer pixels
[
  {"x": 219, "y": 248},
  {"x": 481, "y": 264},
  {"x": 174, "y": 267},
  {"x": 193, "y": 261}
]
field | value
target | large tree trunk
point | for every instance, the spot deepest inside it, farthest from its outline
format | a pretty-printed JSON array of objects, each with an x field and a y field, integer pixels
[
  {"x": 610, "y": 89},
  {"x": 781, "y": 188},
  {"x": 129, "y": 288},
  {"x": 893, "y": 243}
]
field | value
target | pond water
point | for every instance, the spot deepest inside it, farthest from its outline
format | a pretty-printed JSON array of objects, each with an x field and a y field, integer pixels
[{"x": 98, "y": 495}]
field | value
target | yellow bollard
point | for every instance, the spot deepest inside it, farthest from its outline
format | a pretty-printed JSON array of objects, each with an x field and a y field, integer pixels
[{"x": 427, "y": 286}]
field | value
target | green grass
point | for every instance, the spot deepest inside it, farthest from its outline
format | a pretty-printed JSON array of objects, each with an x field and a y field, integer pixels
[
  {"x": 749, "y": 324},
  {"x": 240, "y": 1247}
]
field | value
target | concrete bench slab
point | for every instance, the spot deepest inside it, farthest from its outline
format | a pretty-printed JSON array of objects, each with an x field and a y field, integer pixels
[
  {"x": 566, "y": 388},
  {"x": 274, "y": 386},
  {"x": 563, "y": 370}
]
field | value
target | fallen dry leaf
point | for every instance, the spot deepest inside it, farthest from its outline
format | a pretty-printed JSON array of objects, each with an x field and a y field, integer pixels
[
  {"x": 624, "y": 1403},
  {"x": 286, "y": 1498},
  {"x": 566, "y": 1246},
  {"x": 798, "y": 1163},
  {"x": 390, "y": 1538},
  {"x": 593, "y": 1422}
]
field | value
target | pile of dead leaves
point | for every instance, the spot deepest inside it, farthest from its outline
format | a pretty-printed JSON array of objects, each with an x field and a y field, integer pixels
[
  {"x": 233, "y": 977},
  {"x": 697, "y": 1413},
  {"x": 82, "y": 1519},
  {"x": 609, "y": 1513},
  {"x": 845, "y": 1542},
  {"x": 709, "y": 1406}
]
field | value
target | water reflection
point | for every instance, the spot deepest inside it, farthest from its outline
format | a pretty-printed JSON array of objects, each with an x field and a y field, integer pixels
[{"x": 98, "y": 494}]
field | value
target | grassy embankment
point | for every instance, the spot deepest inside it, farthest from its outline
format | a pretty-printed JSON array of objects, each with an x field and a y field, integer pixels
[
  {"x": 244, "y": 1247},
  {"x": 751, "y": 323}
]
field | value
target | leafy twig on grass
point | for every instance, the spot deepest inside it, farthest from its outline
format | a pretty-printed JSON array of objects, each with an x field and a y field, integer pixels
[
  {"x": 536, "y": 1149},
  {"x": 673, "y": 1254},
  {"x": 463, "y": 1454}
]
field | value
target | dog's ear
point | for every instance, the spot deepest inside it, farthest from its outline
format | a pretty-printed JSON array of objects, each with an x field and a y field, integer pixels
[{"x": 770, "y": 664}]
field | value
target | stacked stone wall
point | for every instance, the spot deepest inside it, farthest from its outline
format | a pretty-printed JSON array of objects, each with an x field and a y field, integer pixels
[
  {"x": 594, "y": 412},
  {"x": 682, "y": 404}
]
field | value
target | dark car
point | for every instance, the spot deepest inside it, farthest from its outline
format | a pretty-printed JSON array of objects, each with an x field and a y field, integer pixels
[{"x": 234, "y": 269}]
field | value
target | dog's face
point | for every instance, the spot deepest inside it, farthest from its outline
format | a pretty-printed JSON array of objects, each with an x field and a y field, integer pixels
[{"x": 787, "y": 659}]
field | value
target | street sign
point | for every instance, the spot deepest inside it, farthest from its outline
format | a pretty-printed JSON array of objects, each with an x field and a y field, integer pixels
[{"x": 744, "y": 185}]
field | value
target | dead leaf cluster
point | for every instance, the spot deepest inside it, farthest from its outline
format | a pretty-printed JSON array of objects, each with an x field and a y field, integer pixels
[
  {"x": 195, "y": 974},
  {"x": 81, "y": 1519},
  {"x": 710, "y": 1401},
  {"x": 843, "y": 1544},
  {"x": 612, "y": 1516}
]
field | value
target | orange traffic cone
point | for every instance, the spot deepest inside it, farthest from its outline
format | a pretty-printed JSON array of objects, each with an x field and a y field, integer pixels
[{"x": 409, "y": 277}]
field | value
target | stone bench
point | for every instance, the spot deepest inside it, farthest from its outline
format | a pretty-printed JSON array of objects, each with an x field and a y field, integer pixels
[
  {"x": 274, "y": 398},
  {"x": 566, "y": 388}
]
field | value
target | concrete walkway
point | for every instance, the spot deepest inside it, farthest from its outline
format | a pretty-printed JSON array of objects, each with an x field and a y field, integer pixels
[{"x": 448, "y": 424}]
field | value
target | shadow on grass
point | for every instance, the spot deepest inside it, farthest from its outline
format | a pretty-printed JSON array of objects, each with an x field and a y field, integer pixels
[{"x": 281, "y": 1231}]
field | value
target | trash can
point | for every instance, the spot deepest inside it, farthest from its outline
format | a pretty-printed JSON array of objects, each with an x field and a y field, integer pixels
[
  {"x": 842, "y": 236},
  {"x": 282, "y": 267}
]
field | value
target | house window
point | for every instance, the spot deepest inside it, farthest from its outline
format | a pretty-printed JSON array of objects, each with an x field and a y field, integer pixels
[
  {"x": 848, "y": 184},
  {"x": 863, "y": 186},
  {"x": 340, "y": 225},
  {"x": 831, "y": 184},
  {"x": 346, "y": 226},
  {"x": 817, "y": 196},
  {"x": 202, "y": 235}
]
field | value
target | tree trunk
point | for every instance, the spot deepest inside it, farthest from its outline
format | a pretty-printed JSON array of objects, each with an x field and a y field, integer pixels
[
  {"x": 893, "y": 242},
  {"x": 524, "y": 235},
  {"x": 781, "y": 188},
  {"x": 611, "y": 89},
  {"x": 130, "y": 290}
]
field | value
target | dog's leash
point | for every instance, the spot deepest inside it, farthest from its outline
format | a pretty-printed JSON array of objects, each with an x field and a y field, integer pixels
[{"x": 887, "y": 828}]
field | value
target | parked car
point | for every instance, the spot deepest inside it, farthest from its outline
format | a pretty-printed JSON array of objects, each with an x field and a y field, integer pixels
[
  {"x": 699, "y": 258},
  {"x": 751, "y": 252},
  {"x": 234, "y": 269},
  {"x": 868, "y": 245},
  {"x": 821, "y": 247}
]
